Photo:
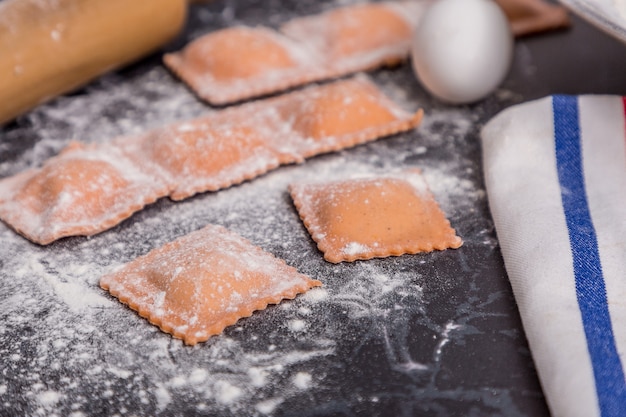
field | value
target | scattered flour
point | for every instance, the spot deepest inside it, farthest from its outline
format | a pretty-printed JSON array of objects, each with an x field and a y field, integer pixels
[
  {"x": 226, "y": 393},
  {"x": 268, "y": 406},
  {"x": 302, "y": 380},
  {"x": 258, "y": 376},
  {"x": 354, "y": 248},
  {"x": 297, "y": 325},
  {"x": 49, "y": 398}
]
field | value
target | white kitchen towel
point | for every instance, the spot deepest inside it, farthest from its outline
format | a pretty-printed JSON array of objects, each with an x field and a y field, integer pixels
[
  {"x": 608, "y": 15},
  {"x": 555, "y": 172}
]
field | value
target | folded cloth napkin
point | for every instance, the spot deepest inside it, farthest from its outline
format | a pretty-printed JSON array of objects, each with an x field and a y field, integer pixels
[{"x": 555, "y": 172}]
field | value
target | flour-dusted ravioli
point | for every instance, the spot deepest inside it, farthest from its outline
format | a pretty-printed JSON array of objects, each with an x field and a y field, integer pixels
[
  {"x": 372, "y": 217},
  {"x": 360, "y": 36},
  {"x": 232, "y": 64},
  {"x": 240, "y": 62},
  {"x": 196, "y": 286},
  {"x": 207, "y": 154},
  {"x": 343, "y": 114},
  {"x": 82, "y": 191}
]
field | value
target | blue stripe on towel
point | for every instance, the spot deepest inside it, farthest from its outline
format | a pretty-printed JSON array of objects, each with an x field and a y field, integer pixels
[{"x": 590, "y": 287}]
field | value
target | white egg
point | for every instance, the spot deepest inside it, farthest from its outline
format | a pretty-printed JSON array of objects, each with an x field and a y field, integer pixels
[{"x": 462, "y": 49}]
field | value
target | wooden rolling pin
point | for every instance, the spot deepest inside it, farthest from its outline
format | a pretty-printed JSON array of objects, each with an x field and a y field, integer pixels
[{"x": 50, "y": 47}]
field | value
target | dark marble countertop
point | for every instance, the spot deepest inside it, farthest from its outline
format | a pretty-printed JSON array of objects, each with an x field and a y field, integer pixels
[{"x": 434, "y": 334}]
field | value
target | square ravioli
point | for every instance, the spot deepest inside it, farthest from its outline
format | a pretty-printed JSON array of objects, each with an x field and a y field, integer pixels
[
  {"x": 196, "y": 286},
  {"x": 334, "y": 112},
  {"x": 239, "y": 62},
  {"x": 82, "y": 191},
  {"x": 360, "y": 36},
  {"x": 340, "y": 115},
  {"x": 230, "y": 146},
  {"x": 211, "y": 153},
  {"x": 373, "y": 217}
]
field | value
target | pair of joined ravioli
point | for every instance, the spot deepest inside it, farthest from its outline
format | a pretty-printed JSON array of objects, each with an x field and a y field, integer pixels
[
  {"x": 373, "y": 217},
  {"x": 241, "y": 62},
  {"x": 341, "y": 115},
  {"x": 88, "y": 189},
  {"x": 196, "y": 286},
  {"x": 241, "y": 143}
]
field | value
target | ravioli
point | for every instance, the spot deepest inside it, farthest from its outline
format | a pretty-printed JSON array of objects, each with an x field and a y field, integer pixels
[
  {"x": 196, "y": 286},
  {"x": 203, "y": 156},
  {"x": 373, "y": 217},
  {"x": 239, "y": 62},
  {"x": 360, "y": 36},
  {"x": 341, "y": 115}
]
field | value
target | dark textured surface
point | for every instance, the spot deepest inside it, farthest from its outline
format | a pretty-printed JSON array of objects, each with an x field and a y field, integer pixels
[{"x": 424, "y": 335}]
